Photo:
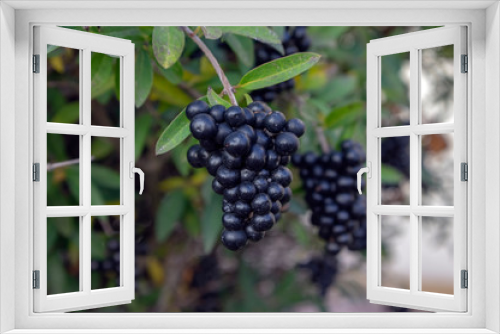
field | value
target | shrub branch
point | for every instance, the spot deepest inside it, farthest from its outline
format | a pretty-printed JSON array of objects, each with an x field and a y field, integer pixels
[{"x": 220, "y": 73}]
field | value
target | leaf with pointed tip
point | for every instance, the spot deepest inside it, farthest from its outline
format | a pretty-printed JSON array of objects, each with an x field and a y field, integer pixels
[
  {"x": 175, "y": 133},
  {"x": 279, "y": 70},
  {"x": 168, "y": 44},
  {"x": 214, "y": 99},
  {"x": 248, "y": 98},
  {"x": 259, "y": 33},
  {"x": 211, "y": 32},
  {"x": 242, "y": 47},
  {"x": 143, "y": 77}
]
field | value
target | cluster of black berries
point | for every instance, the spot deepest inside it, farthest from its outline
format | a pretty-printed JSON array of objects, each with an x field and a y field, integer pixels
[
  {"x": 246, "y": 150},
  {"x": 294, "y": 40},
  {"x": 330, "y": 184},
  {"x": 110, "y": 266},
  {"x": 396, "y": 153},
  {"x": 322, "y": 270}
]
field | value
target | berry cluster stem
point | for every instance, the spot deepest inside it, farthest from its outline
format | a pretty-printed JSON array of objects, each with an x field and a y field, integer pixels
[{"x": 228, "y": 89}]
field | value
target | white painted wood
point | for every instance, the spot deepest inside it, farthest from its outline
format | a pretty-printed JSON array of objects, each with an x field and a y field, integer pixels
[
  {"x": 413, "y": 43},
  {"x": 471, "y": 322},
  {"x": 7, "y": 167},
  {"x": 87, "y": 43}
]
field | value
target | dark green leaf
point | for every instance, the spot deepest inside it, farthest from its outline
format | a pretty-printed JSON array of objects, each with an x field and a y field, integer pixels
[
  {"x": 242, "y": 47},
  {"x": 172, "y": 74},
  {"x": 340, "y": 113},
  {"x": 143, "y": 77},
  {"x": 175, "y": 133},
  {"x": 212, "y": 32},
  {"x": 214, "y": 98},
  {"x": 262, "y": 34},
  {"x": 338, "y": 89},
  {"x": 168, "y": 43},
  {"x": 169, "y": 214},
  {"x": 105, "y": 177},
  {"x": 390, "y": 175},
  {"x": 101, "y": 73},
  {"x": 69, "y": 113},
  {"x": 279, "y": 70},
  {"x": 212, "y": 216},
  {"x": 248, "y": 98},
  {"x": 142, "y": 128}
]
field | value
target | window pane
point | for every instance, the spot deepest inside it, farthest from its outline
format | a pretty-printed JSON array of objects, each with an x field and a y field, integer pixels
[
  {"x": 437, "y": 169},
  {"x": 63, "y": 85},
  {"x": 105, "y": 253},
  {"x": 436, "y": 84},
  {"x": 436, "y": 251},
  {"x": 395, "y": 251},
  {"x": 105, "y": 73},
  {"x": 395, "y": 95},
  {"x": 395, "y": 170},
  {"x": 105, "y": 171},
  {"x": 63, "y": 255},
  {"x": 63, "y": 170}
]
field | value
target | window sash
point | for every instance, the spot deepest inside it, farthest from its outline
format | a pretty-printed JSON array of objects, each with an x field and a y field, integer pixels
[
  {"x": 86, "y": 43},
  {"x": 413, "y": 42}
]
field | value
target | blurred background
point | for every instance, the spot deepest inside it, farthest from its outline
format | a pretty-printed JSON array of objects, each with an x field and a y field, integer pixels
[{"x": 180, "y": 265}]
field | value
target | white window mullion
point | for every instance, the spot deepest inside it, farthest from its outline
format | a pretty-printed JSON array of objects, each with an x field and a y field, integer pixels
[{"x": 414, "y": 170}]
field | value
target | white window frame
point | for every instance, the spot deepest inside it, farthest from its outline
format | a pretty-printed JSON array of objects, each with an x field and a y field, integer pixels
[
  {"x": 414, "y": 43},
  {"x": 17, "y": 19},
  {"x": 84, "y": 43}
]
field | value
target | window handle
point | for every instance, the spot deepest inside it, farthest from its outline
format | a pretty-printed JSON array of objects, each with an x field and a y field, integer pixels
[
  {"x": 368, "y": 171},
  {"x": 141, "y": 175}
]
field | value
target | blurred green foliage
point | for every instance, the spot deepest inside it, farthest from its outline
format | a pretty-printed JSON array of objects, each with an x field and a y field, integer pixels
[{"x": 178, "y": 216}]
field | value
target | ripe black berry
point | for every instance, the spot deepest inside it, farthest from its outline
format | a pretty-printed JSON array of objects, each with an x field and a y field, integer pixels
[
  {"x": 286, "y": 143},
  {"x": 272, "y": 160},
  {"x": 237, "y": 144},
  {"x": 242, "y": 209},
  {"x": 235, "y": 116},
  {"x": 296, "y": 126},
  {"x": 234, "y": 240},
  {"x": 228, "y": 177},
  {"x": 262, "y": 223},
  {"x": 214, "y": 162},
  {"x": 232, "y": 222},
  {"x": 282, "y": 175},
  {"x": 195, "y": 108},
  {"x": 194, "y": 158},
  {"x": 222, "y": 132},
  {"x": 275, "y": 122},
  {"x": 256, "y": 159},
  {"x": 261, "y": 184},
  {"x": 247, "y": 191},
  {"x": 247, "y": 175},
  {"x": 275, "y": 191},
  {"x": 231, "y": 194},
  {"x": 203, "y": 126},
  {"x": 261, "y": 204},
  {"x": 231, "y": 162},
  {"x": 217, "y": 112},
  {"x": 252, "y": 234}
]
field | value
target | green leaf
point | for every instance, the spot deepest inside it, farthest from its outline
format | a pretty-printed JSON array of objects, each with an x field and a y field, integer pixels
[
  {"x": 69, "y": 113},
  {"x": 242, "y": 47},
  {"x": 169, "y": 214},
  {"x": 279, "y": 70},
  {"x": 143, "y": 77},
  {"x": 338, "y": 89},
  {"x": 172, "y": 74},
  {"x": 101, "y": 73},
  {"x": 391, "y": 175},
  {"x": 259, "y": 33},
  {"x": 279, "y": 30},
  {"x": 248, "y": 98},
  {"x": 174, "y": 134},
  {"x": 168, "y": 44},
  {"x": 214, "y": 98},
  {"x": 211, "y": 32},
  {"x": 142, "y": 128},
  {"x": 105, "y": 177},
  {"x": 340, "y": 113},
  {"x": 211, "y": 222}
]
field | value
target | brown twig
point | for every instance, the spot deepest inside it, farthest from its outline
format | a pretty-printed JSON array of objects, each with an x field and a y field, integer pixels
[
  {"x": 55, "y": 165},
  {"x": 228, "y": 89}
]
